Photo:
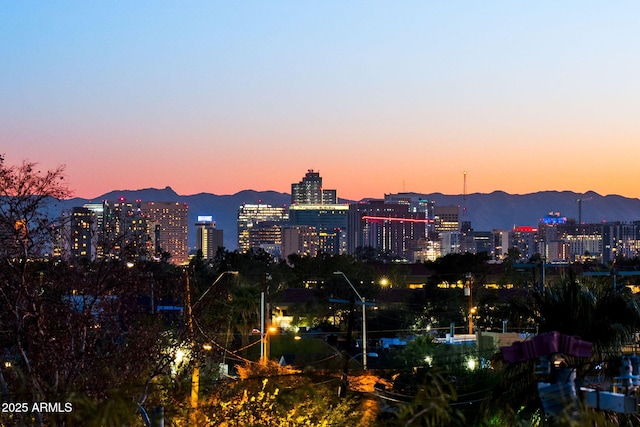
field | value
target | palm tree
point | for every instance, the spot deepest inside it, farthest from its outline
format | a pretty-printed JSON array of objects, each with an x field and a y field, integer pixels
[
  {"x": 606, "y": 316},
  {"x": 245, "y": 304},
  {"x": 596, "y": 312}
]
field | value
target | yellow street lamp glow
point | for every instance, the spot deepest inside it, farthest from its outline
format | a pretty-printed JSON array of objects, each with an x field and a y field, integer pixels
[
  {"x": 179, "y": 356},
  {"x": 471, "y": 364}
]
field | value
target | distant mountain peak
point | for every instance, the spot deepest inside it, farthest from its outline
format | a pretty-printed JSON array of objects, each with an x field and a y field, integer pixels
[
  {"x": 166, "y": 194},
  {"x": 496, "y": 210}
]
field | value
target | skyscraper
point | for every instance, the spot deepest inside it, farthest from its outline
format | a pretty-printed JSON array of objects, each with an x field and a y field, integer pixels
[
  {"x": 169, "y": 224},
  {"x": 313, "y": 206},
  {"x": 389, "y": 228},
  {"x": 83, "y": 232},
  {"x": 208, "y": 238},
  {"x": 447, "y": 218},
  {"x": 299, "y": 240},
  {"x": 250, "y": 215},
  {"x": 124, "y": 233},
  {"x": 309, "y": 191},
  {"x": 329, "y": 222}
]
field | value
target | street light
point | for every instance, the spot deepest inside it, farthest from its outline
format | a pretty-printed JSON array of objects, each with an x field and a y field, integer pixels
[{"x": 364, "y": 319}]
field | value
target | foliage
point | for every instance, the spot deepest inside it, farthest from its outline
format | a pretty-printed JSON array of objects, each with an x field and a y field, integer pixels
[
  {"x": 281, "y": 401},
  {"x": 25, "y": 226},
  {"x": 417, "y": 352},
  {"x": 454, "y": 267},
  {"x": 268, "y": 369},
  {"x": 431, "y": 403},
  {"x": 77, "y": 331},
  {"x": 73, "y": 330},
  {"x": 606, "y": 316}
]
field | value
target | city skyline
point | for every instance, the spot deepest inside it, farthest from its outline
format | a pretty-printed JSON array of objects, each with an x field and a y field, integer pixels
[{"x": 377, "y": 97}]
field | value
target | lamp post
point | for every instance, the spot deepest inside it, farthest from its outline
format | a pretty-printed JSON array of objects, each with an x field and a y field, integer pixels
[
  {"x": 364, "y": 319},
  {"x": 468, "y": 291},
  {"x": 195, "y": 374}
]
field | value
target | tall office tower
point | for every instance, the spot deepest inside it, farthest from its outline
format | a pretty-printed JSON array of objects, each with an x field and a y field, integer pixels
[
  {"x": 525, "y": 240},
  {"x": 299, "y": 240},
  {"x": 208, "y": 238},
  {"x": 386, "y": 227},
  {"x": 620, "y": 240},
  {"x": 585, "y": 241},
  {"x": 170, "y": 227},
  {"x": 500, "y": 239},
  {"x": 447, "y": 218},
  {"x": 313, "y": 206},
  {"x": 98, "y": 219},
  {"x": 309, "y": 191},
  {"x": 551, "y": 244},
  {"x": 417, "y": 203},
  {"x": 267, "y": 235},
  {"x": 450, "y": 242},
  {"x": 83, "y": 225},
  {"x": 124, "y": 234},
  {"x": 250, "y": 215},
  {"x": 329, "y": 222}
]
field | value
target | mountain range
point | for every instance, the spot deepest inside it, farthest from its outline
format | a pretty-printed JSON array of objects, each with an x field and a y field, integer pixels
[{"x": 486, "y": 211}]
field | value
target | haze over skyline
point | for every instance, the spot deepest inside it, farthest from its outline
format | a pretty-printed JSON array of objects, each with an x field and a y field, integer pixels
[{"x": 379, "y": 97}]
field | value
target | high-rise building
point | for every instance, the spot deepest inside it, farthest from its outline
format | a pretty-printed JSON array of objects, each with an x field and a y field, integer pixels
[
  {"x": 309, "y": 191},
  {"x": 170, "y": 226},
  {"x": 130, "y": 230},
  {"x": 208, "y": 238},
  {"x": 447, "y": 218},
  {"x": 98, "y": 226},
  {"x": 525, "y": 240},
  {"x": 620, "y": 240},
  {"x": 250, "y": 215},
  {"x": 585, "y": 241},
  {"x": 386, "y": 227},
  {"x": 450, "y": 242},
  {"x": 267, "y": 235},
  {"x": 329, "y": 222},
  {"x": 83, "y": 225},
  {"x": 299, "y": 240},
  {"x": 124, "y": 233},
  {"x": 316, "y": 207},
  {"x": 417, "y": 203}
]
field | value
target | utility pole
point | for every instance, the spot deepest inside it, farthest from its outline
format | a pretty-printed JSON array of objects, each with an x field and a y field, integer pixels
[
  {"x": 344, "y": 383},
  {"x": 468, "y": 292},
  {"x": 265, "y": 320},
  {"x": 263, "y": 332},
  {"x": 195, "y": 374},
  {"x": 364, "y": 320}
]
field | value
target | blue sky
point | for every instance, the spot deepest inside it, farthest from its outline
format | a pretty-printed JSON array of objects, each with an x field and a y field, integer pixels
[{"x": 379, "y": 97}]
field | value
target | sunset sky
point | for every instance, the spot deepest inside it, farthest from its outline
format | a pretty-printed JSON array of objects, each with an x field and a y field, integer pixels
[{"x": 379, "y": 97}]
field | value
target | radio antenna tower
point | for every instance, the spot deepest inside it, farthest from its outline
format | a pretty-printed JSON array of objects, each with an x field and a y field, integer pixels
[{"x": 464, "y": 197}]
